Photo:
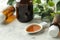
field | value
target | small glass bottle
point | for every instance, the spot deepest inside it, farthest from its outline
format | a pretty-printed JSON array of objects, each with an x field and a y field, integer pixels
[
  {"x": 55, "y": 26},
  {"x": 24, "y": 10},
  {"x": 9, "y": 13},
  {"x": 56, "y": 20}
]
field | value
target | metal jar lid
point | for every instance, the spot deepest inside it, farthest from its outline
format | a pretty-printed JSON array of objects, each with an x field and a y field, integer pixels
[
  {"x": 2, "y": 17},
  {"x": 18, "y": 0}
]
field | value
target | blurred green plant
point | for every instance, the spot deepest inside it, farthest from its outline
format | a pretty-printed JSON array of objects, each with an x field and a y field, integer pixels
[{"x": 43, "y": 10}]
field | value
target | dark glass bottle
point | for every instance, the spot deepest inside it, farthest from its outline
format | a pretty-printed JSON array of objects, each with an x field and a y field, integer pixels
[{"x": 24, "y": 10}]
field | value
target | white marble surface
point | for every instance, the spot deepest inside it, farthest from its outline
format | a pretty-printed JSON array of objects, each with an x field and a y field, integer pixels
[{"x": 16, "y": 29}]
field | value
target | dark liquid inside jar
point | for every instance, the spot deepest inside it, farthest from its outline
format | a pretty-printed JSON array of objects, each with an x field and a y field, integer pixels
[{"x": 24, "y": 10}]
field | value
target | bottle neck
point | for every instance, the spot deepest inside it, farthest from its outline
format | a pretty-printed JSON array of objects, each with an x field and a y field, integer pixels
[{"x": 24, "y": 1}]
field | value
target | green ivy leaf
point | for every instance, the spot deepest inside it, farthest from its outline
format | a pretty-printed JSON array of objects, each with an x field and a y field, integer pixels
[
  {"x": 51, "y": 3},
  {"x": 10, "y": 2},
  {"x": 58, "y": 6},
  {"x": 36, "y": 9},
  {"x": 34, "y": 1},
  {"x": 38, "y": 1}
]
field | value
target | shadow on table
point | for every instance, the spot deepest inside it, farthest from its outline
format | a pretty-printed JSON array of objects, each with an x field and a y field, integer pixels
[
  {"x": 38, "y": 33},
  {"x": 58, "y": 36}
]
